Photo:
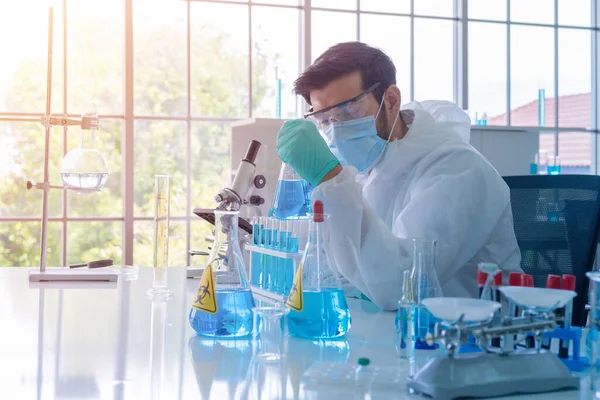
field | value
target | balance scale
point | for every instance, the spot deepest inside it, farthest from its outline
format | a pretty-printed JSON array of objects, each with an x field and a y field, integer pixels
[{"x": 493, "y": 372}]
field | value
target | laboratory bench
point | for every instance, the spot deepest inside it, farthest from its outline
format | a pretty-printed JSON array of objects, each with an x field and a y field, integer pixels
[{"x": 110, "y": 341}]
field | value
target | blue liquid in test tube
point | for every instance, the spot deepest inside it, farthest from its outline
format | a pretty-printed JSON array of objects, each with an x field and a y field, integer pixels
[
  {"x": 262, "y": 262},
  {"x": 293, "y": 243},
  {"x": 268, "y": 258},
  {"x": 274, "y": 260},
  {"x": 281, "y": 267},
  {"x": 255, "y": 277}
]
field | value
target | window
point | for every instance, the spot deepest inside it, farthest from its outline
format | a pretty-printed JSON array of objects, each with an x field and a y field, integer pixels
[
  {"x": 434, "y": 75},
  {"x": 323, "y": 34},
  {"x": 487, "y": 71},
  {"x": 531, "y": 75},
  {"x": 392, "y": 34},
  {"x": 574, "y": 78},
  {"x": 193, "y": 75}
]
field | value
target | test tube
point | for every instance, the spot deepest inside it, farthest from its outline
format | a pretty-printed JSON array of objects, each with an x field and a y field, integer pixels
[
  {"x": 268, "y": 258},
  {"x": 293, "y": 242},
  {"x": 162, "y": 199},
  {"x": 274, "y": 259},
  {"x": 263, "y": 233},
  {"x": 282, "y": 262},
  {"x": 255, "y": 272}
]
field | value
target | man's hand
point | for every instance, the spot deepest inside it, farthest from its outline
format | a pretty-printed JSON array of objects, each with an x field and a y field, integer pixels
[{"x": 300, "y": 145}]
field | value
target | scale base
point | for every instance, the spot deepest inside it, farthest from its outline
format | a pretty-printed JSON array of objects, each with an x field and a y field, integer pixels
[
  {"x": 73, "y": 275},
  {"x": 490, "y": 375}
]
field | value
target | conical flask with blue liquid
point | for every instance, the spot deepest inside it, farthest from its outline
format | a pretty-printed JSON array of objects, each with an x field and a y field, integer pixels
[
  {"x": 425, "y": 284},
  {"x": 223, "y": 303},
  {"x": 292, "y": 196},
  {"x": 318, "y": 306}
]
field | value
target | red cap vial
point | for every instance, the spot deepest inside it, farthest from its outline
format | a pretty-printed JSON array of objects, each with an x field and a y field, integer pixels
[
  {"x": 568, "y": 282},
  {"x": 528, "y": 280},
  {"x": 481, "y": 277},
  {"x": 514, "y": 279},
  {"x": 553, "y": 282},
  {"x": 498, "y": 279}
]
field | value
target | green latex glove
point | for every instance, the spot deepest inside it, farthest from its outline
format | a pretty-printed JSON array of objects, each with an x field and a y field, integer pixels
[{"x": 300, "y": 145}]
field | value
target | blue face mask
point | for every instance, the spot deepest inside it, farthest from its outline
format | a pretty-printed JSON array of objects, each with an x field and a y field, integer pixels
[{"x": 356, "y": 142}]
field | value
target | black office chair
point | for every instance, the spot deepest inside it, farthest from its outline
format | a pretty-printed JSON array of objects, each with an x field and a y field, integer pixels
[{"x": 557, "y": 220}]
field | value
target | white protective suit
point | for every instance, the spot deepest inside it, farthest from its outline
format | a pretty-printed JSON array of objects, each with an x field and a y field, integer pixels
[{"x": 432, "y": 184}]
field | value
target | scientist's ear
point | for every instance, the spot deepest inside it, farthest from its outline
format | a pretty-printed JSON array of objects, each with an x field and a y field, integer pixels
[{"x": 393, "y": 100}]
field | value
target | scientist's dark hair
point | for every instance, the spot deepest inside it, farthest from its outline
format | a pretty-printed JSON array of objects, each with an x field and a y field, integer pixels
[{"x": 345, "y": 58}]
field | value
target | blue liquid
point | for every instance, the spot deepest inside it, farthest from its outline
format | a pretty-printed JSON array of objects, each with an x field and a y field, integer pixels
[
  {"x": 293, "y": 244},
  {"x": 554, "y": 170},
  {"x": 533, "y": 169},
  {"x": 402, "y": 320},
  {"x": 289, "y": 199},
  {"x": 424, "y": 323},
  {"x": 325, "y": 315},
  {"x": 255, "y": 276},
  {"x": 307, "y": 207},
  {"x": 233, "y": 318}
]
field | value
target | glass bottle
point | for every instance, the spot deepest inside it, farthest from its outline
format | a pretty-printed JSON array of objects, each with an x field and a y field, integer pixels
[
  {"x": 292, "y": 196},
  {"x": 425, "y": 285},
  {"x": 223, "y": 303},
  {"x": 85, "y": 167},
  {"x": 319, "y": 308}
]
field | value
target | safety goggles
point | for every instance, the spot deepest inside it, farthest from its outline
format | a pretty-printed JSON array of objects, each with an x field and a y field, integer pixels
[{"x": 356, "y": 107}]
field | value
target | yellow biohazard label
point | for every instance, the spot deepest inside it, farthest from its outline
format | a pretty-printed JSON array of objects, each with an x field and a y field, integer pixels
[
  {"x": 295, "y": 300},
  {"x": 206, "y": 299}
]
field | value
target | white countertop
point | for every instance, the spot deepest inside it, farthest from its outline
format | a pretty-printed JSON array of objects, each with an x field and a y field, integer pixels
[{"x": 108, "y": 341}]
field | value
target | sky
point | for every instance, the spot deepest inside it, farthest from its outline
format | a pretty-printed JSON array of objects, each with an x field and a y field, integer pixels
[{"x": 532, "y": 48}]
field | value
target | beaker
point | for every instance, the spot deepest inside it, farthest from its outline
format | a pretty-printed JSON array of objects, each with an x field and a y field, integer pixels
[
  {"x": 319, "y": 308},
  {"x": 292, "y": 196},
  {"x": 425, "y": 285},
  {"x": 160, "y": 249},
  {"x": 554, "y": 165},
  {"x": 269, "y": 340},
  {"x": 542, "y": 162},
  {"x": 85, "y": 167},
  {"x": 223, "y": 303}
]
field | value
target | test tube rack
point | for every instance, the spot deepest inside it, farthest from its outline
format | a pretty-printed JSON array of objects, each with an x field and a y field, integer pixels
[{"x": 272, "y": 281}]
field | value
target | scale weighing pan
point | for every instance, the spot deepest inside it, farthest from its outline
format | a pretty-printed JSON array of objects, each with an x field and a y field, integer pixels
[
  {"x": 452, "y": 308},
  {"x": 540, "y": 298}
]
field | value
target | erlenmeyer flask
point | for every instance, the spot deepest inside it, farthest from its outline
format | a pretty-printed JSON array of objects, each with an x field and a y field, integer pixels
[
  {"x": 85, "y": 167},
  {"x": 292, "y": 196},
  {"x": 425, "y": 284},
  {"x": 223, "y": 303},
  {"x": 319, "y": 308}
]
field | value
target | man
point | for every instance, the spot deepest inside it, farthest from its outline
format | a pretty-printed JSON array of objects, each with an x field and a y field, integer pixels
[{"x": 387, "y": 174}]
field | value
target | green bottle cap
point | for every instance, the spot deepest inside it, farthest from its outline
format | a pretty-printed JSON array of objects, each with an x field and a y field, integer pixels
[{"x": 364, "y": 361}]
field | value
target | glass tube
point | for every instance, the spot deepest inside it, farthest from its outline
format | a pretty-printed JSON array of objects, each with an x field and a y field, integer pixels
[{"x": 162, "y": 194}]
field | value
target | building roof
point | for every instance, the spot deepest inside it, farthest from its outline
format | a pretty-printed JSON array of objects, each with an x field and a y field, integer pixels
[{"x": 574, "y": 148}]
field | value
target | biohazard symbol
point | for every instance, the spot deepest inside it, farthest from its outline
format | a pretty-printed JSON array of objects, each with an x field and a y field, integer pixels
[
  {"x": 295, "y": 300},
  {"x": 205, "y": 295}
]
